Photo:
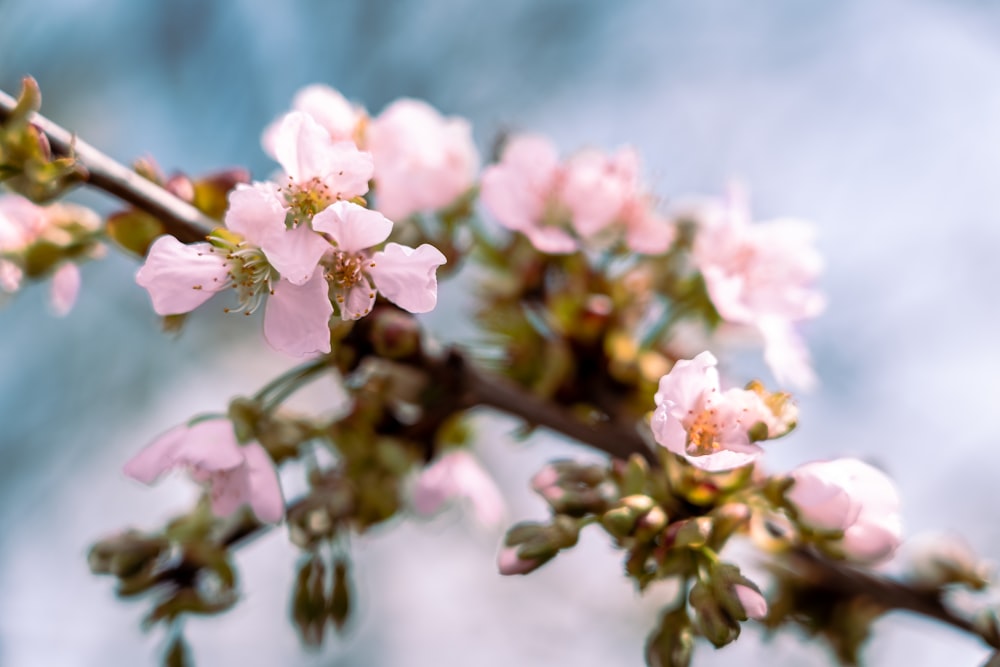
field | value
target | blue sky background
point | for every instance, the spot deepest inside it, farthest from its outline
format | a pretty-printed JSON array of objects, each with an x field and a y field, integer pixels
[{"x": 878, "y": 120}]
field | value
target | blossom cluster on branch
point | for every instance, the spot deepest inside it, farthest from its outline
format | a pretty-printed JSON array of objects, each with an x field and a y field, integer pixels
[{"x": 597, "y": 303}]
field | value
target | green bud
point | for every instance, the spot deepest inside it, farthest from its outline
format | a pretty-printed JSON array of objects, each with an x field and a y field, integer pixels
[
  {"x": 692, "y": 533},
  {"x": 633, "y": 475},
  {"x": 309, "y": 604},
  {"x": 244, "y": 413},
  {"x": 671, "y": 644},
  {"x": 619, "y": 521},
  {"x": 726, "y": 520},
  {"x": 715, "y": 624}
]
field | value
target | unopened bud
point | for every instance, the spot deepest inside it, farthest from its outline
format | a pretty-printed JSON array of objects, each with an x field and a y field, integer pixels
[
  {"x": 715, "y": 624},
  {"x": 692, "y": 533},
  {"x": 509, "y": 563},
  {"x": 726, "y": 520},
  {"x": 395, "y": 334}
]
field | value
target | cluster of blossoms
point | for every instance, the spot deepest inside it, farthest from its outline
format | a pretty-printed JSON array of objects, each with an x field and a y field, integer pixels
[
  {"x": 38, "y": 241},
  {"x": 305, "y": 245},
  {"x": 850, "y": 507},
  {"x": 590, "y": 200}
]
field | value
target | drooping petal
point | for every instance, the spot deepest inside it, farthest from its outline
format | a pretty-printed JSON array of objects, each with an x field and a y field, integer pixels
[
  {"x": 180, "y": 277},
  {"x": 158, "y": 457},
  {"x": 228, "y": 490},
  {"x": 408, "y": 276},
  {"x": 354, "y": 228},
  {"x": 65, "y": 287},
  {"x": 297, "y": 317},
  {"x": 265, "y": 495},
  {"x": 357, "y": 301}
]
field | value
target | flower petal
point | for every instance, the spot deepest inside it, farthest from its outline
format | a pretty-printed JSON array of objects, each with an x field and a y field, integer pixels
[
  {"x": 265, "y": 495},
  {"x": 229, "y": 490},
  {"x": 408, "y": 276},
  {"x": 295, "y": 253},
  {"x": 180, "y": 277},
  {"x": 354, "y": 228},
  {"x": 65, "y": 287},
  {"x": 210, "y": 445},
  {"x": 297, "y": 317},
  {"x": 255, "y": 212},
  {"x": 357, "y": 301},
  {"x": 158, "y": 457}
]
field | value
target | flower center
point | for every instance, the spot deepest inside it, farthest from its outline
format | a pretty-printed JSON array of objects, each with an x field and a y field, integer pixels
[
  {"x": 703, "y": 433},
  {"x": 347, "y": 269},
  {"x": 306, "y": 199},
  {"x": 250, "y": 274}
]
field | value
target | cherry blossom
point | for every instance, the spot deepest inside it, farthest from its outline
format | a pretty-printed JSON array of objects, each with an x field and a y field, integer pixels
[
  {"x": 331, "y": 110},
  {"x": 458, "y": 475},
  {"x": 23, "y": 224},
  {"x": 235, "y": 474},
  {"x": 319, "y": 170},
  {"x": 709, "y": 428},
  {"x": 761, "y": 275},
  {"x": 752, "y": 601},
  {"x": 423, "y": 161},
  {"x": 590, "y": 200},
  {"x": 406, "y": 276},
  {"x": 850, "y": 496},
  {"x": 180, "y": 277}
]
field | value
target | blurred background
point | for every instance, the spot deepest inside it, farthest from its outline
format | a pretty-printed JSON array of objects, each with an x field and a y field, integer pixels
[{"x": 880, "y": 121}]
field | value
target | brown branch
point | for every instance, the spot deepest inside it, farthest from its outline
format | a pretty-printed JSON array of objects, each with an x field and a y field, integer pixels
[
  {"x": 180, "y": 218},
  {"x": 477, "y": 387}
]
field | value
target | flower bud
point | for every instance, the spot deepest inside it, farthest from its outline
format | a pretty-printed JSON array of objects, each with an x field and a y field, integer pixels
[
  {"x": 508, "y": 562},
  {"x": 672, "y": 643},
  {"x": 714, "y": 623},
  {"x": 726, "y": 520},
  {"x": 691, "y": 533}
]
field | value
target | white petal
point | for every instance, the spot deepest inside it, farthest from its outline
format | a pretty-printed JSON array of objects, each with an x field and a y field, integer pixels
[
  {"x": 65, "y": 287},
  {"x": 297, "y": 317},
  {"x": 354, "y": 228},
  {"x": 180, "y": 277}
]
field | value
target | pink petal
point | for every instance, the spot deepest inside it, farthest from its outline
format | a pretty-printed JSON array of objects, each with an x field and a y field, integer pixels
[
  {"x": 552, "y": 240},
  {"x": 688, "y": 381},
  {"x": 821, "y": 498},
  {"x": 180, "y": 277},
  {"x": 158, "y": 457},
  {"x": 210, "y": 445},
  {"x": 457, "y": 474},
  {"x": 295, "y": 253},
  {"x": 647, "y": 232},
  {"x": 516, "y": 189},
  {"x": 353, "y": 228},
  {"x": 65, "y": 287},
  {"x": 256, "y": 213},
  {"x": 297, "y": 317},
  {"x": 229, "y": 490},
  {"x": 873, "y": 542},
  {"x": 265, "y": 490},
  {"x": 10, "y": 276},
  {"x": 786, "y": 354},
  {"x": 753, "y": 602},
  {"x": 358, "y": 301},
  {"x": 407, "y": 276},
  {"x": 509, "y": 563},
  {"x": 327, "y": 107},
  {"x": 726, "y": 459},
  {"x": 306, "y": 151}
]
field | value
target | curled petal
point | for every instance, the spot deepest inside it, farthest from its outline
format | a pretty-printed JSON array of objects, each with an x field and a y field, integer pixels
[
  {"x": 297, "y": 317},
  {"x": 180, "y": 277},
  {"x": 408, "y": 276},
  {"x": 688, "y": 381},
  {"x": 353, "y": 228},
  {"x": 65, "y": 287},
  {"x": 158, "y": 457}
]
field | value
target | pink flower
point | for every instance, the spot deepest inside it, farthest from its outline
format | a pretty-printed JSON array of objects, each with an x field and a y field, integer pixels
[
  {"x": 327, "y": 107},
  {"x": 235, "y": 474},
  {"x": 762, "y": 275},
  {"x": 851, "y": 496},
  {"x": 709, "y": 428},
  {"x": 22, "y": 224},
  {"x": 457, "y": 474},
  {"x": 518, "y": 191},
  {"x": 592, "y": 199},
  {"x": 320, "y": 170},
  {"x": 180, "y": 277},
  {"x": 404, "y": 275},
  {"x": 423, "y": 161}
]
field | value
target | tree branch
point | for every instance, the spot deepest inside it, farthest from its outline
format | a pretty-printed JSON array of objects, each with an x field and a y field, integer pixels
[
  {"x": 180, "y": 218},
  {"x": 479, "y": 387}
]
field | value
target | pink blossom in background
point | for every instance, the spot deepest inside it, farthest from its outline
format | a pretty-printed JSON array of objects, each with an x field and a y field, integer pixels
[
  {"x": 22, "y": 224},
  {"x": 423, "y": 161},
  {"x": 406, "y": 276},
  {"x": 709, "y": 428},
  {"x": 235, "y": 474},
  {"x": 592, "y": 199},
  {"x": 851, "y": 496},
  {"x": 762, "y": 275},
  {"x": 457, "y": 475},
  {"x": 328, "y": 108}
]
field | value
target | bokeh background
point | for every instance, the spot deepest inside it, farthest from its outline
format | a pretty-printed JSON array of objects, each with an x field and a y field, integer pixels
[{"x": 879, "y": 120}]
